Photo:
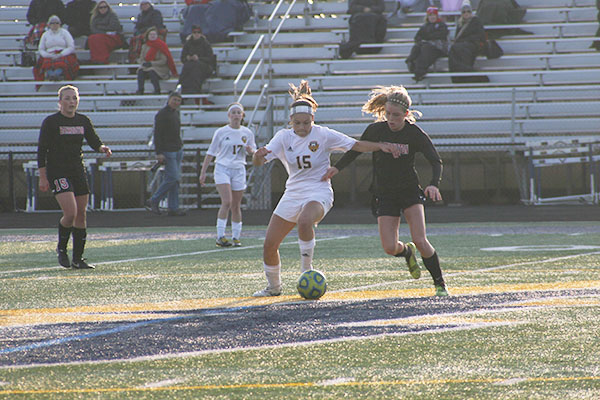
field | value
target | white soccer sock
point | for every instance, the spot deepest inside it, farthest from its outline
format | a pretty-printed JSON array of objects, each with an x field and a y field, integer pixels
[
  {"x": 307, "y": 249},
  {"x": 221, "y": 225},
  {"x": 236, "y": 229},
  {"x": 273, "y": 274}
]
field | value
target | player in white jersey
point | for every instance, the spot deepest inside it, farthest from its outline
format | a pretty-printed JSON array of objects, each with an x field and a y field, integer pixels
[
  {"x": 229, "y": 147},
  {"x": 304, "y": 150}
]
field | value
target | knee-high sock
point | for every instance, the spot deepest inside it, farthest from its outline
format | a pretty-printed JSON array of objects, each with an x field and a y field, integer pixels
[
  {"x": 63, "y": 236},
  {"x": 307, "y": 249},
  {"x": 273, "y": 274},
  {"x": 236, "y": 229},
  {"x": 433, "y": 266},
  {"x": 79, "y": 238},
  {"x": 221, "y": 225}
]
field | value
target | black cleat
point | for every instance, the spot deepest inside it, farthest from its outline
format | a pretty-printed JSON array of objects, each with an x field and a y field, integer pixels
[
  {"x": 81, "y": 264},
  {"x": 63, "y": 258}
]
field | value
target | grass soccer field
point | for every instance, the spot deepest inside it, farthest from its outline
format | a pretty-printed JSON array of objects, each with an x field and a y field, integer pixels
[{"x": 166, "y": 314}]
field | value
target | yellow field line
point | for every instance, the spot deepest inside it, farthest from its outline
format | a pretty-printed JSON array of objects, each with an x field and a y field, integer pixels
[{"x": 406, "y": 382}]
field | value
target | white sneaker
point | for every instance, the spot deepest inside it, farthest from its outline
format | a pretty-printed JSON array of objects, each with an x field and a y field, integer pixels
[{"x": 268, "y": 292}]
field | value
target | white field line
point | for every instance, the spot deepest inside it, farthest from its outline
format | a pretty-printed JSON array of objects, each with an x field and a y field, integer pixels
[{"x": 194, "y": 253}]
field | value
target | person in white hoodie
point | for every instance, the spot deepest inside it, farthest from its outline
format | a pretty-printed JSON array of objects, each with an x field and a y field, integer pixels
[{"x": 57, "y": 59}]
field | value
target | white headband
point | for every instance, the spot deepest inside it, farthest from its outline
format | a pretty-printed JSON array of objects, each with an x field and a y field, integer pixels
[
  {"x": 301, "y": 108},
  {"x": 231, "y": 107}
]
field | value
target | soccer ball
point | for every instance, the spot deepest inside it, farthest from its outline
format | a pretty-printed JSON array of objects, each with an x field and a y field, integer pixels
[{"x": 312, "y": 284}]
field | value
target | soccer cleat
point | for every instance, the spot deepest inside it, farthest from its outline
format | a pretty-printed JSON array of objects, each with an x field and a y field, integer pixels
[
  {"x": 236, "y": 242},
  {"x": 223, "y": 242},
  {"x": 441, "y": 291},
  {"x": 81, "y": 264},
  {"x": 411, "y": 260},
  {"x": 268, "y": 292},
  {"x": 63, "y": 258}
]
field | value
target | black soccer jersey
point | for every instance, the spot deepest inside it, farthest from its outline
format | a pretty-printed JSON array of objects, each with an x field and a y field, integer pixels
[
  {"x": 391, "y": 175},
  {"x": 60, "y": 142}
]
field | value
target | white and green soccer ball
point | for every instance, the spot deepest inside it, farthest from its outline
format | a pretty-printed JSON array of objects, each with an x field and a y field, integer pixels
[{"x": 312, "y": 284}]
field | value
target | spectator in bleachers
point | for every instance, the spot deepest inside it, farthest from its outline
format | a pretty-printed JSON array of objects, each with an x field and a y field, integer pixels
[
  {"x": 77, "y": 17},
  {"x": 156, "y": 62},
  {"x": 367, "y": 25},
  {"x": 199, "y": 62},
  {"x": 57, "y": 59},
  {"x": 451, "y": 5},
  {"x": 37, "y": 15},
  {"x": 149, "y": 17},
  {"x": 501, "y": 12},
  {"x": 469, "y": 41},
  {"x": 40, "y": 10},
  {"x": 431, "y": 43},
  {"x": 217, "y": 18},
  {"x": 106, "y": 33},
  {"x": 596, "y": 43}
]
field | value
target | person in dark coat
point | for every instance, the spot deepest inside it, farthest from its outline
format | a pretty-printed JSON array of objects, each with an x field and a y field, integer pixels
[
  {"x": 198, "y": 62},
  {"x": 469, "y": 41},
  {"x": 148, "y": 18},
  {"x": 367, "y": 25},
  {"x": 431, "y": 43},
  {"x": 40, "y": 10},
  {"x": 77, "y": 17}
]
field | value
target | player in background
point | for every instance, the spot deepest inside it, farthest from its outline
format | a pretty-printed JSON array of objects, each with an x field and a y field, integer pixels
[
  {"x": 229, "y": 146},
  {"x": 304, "y": 151},
  {"x": 395, "y": 185},
  {"x": 61, "y": 169}
]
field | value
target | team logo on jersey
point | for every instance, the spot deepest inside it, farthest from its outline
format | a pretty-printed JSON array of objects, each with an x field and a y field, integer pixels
[
  {"x": 226, "y": 138},
  {"x": 290, "y": 149},
  {"x": 244, "y": 139},
  {"x": 313, "y": 146},
  {"x": 403, "y": 148},
  {"x": 71, "y": 130}
]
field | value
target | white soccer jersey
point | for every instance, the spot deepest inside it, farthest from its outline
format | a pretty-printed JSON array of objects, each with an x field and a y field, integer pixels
[
  {"x": 306, "y": 159},
  {"x": 228, "y": 146}
]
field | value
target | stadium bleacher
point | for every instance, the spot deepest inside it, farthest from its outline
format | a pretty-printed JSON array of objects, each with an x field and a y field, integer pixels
[{"x": 545, "y": 85}]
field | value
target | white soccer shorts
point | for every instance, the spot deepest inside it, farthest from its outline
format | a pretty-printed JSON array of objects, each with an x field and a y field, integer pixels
[
  {"x": 235, "y": 177},
  {"x": 290, "y": 206}
]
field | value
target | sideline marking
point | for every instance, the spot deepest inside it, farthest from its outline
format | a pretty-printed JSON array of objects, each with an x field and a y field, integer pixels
[
  {"x": 404, "y": 382},
  {"x": 194, "y": 253}
]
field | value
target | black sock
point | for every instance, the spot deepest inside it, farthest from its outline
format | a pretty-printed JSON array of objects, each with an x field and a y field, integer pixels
[
  {"x": 404, "y": 253},
  {"x": 433, "y": 266},
  {"x": 79, "y": 236},
  {"x": 63, "y": 236}
]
